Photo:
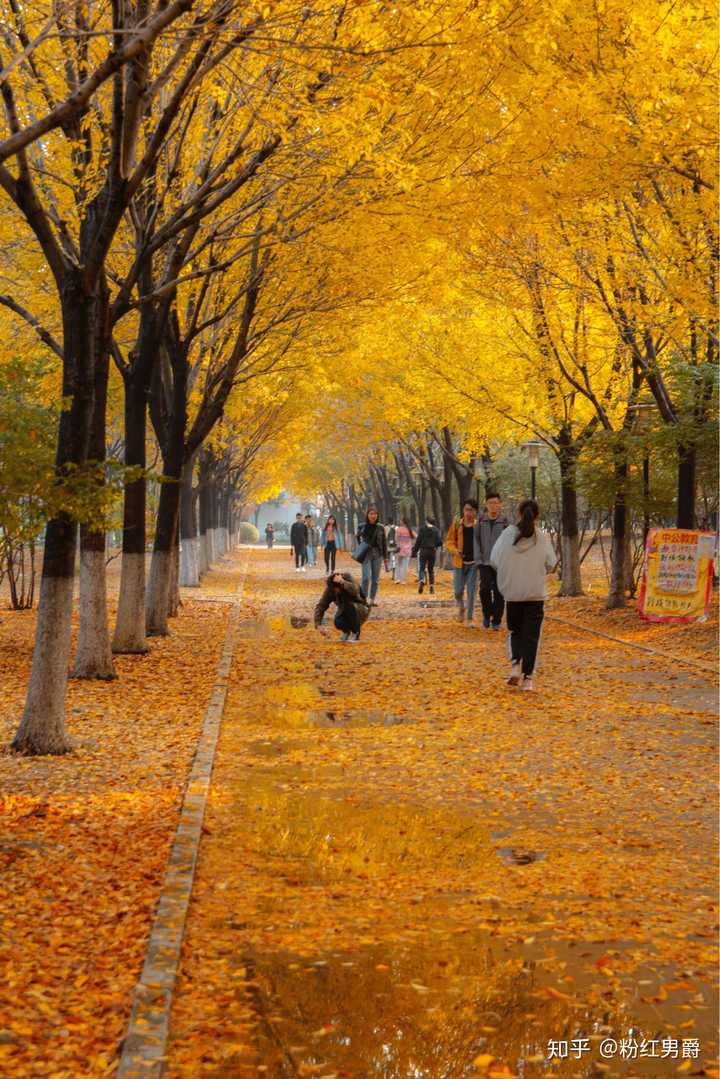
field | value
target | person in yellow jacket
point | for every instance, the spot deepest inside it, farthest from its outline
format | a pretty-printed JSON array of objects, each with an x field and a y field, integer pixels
[{"x": 462, "y": 544}]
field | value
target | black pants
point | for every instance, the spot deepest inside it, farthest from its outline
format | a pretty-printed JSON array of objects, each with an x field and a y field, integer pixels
[
  {"x": 330, "y": 553},
  {"x": 491, "y": 598},
  {"x": 524, "y": 620},
  {"x": 347, "y": 619},
  {"x": 426, "y": 561},
  {"x": 300, "y": 556}
]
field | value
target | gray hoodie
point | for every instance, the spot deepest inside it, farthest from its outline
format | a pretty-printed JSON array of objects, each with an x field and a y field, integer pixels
[{"x": 522, "y": 566}]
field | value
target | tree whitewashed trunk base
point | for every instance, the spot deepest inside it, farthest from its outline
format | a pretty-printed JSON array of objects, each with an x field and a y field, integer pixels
[
  {"x": 202, "y": 557},
  {"x": 158, "y": 594},
  {"x": 129, "y": 637},
  {"x": 42, "y": 728},
  {"x": 571, "y": 578},
  {"x": 93, "y": 658},
  {"x": 189, "y": 564}
]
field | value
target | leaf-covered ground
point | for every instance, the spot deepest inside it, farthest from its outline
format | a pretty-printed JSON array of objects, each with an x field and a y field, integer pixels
[
  {"x": 84, "y": 840},
  {"x": 410, "y": 869}
]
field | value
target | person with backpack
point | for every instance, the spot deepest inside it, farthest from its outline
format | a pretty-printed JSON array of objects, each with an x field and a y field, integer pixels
[
  {"x": 427, "y": 543},
  {"x": 331, "y": 543},
  {"x": 523, "y": 556},
  {"x": 489, "y": 527},
  {"x": 372, "y": 534},
  {"x": 404, "y": 537},
  {"x": 353, "y": 608},
  {"x": 298, "y": 542},
  {"x": 462, "y": 545}
]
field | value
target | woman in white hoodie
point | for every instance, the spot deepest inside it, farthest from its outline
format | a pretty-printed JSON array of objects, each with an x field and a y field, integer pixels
[{"x": 523, "y": 556}]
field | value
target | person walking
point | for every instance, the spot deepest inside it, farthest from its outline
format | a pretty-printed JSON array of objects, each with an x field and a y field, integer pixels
[
  {"x": 313, "y": 540},
  {"x": 372, "y": 533},
  {"x": 489, "y": 527},
  {"x": 353, "y": 608},
  {"x": 392, "y": 548},
  {"x": 404, "y": 537},
  {"x": 269, "y": 535},
  {"x": 298, "y": 542},
  {"x": 427, "y": 543},
  {"x": 462, "y": 544},
  {"x": 331, "y": 543},
  {"x": 522, "y": 557}
]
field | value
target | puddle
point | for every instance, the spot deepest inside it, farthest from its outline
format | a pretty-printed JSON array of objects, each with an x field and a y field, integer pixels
[
  {"x": 427, "y": 1009},
  {"x": 359, "y": 718}
]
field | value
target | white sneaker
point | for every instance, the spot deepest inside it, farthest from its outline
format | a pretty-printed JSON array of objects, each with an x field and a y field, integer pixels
[
  {"x": 515, "y": 674},
  {"x": 344, "y": 638},
  {"x": 354, "y": 638},
  {"x": 303, "y": 569},
  {"x": 527, "y": 684}
]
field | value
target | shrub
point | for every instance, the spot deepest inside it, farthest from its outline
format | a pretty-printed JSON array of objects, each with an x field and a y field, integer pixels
[{"x": 248, "y": 532}]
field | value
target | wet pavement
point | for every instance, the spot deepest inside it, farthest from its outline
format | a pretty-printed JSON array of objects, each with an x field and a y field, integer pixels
[{"x": 411, "y": 872}]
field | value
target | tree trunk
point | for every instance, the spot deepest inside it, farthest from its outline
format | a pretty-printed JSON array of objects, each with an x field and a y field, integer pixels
[
  {"x": 158, "y": 596},
  {"x": 571, "y": 584},
  {"x": 686, "y": 487},
  {"x": 93, "y": 658},
  {"x": 189, "y": 569},
  {"x": 42, "y": 728},
  {"x": 129, "y": 637},
  {"x": 174, "y": 586},
  {"x": 620, "y": 534}
]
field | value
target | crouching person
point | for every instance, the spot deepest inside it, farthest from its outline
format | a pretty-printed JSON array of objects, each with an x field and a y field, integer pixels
[{"x": 352, "y": 606}]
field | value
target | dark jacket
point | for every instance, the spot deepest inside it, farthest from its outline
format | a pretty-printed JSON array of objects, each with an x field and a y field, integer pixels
[
  {"x": 487, "y": 532},
  {"x": 342, "y": 595},
  {"x": 427, "y": 539},
  {"x": 299, "y": 535},
  {"x": 375, "y": 536}
]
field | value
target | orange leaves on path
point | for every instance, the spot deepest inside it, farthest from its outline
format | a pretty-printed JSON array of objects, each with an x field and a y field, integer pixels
[
  {"x": 431, "y": 869},
  {"x": 84, "y": 841}
]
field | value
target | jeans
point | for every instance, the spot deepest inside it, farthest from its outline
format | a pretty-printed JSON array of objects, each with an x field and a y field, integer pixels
[
  {"x": 491, "y": 598},
  {"x": 300, "y": 556},
  {"x": 347, "y": 620},
  {"x": 465, "y": 580},
  {"x": 524, "y": 620},
  {"x": 403, "y": 565},
  {"x": 371, "y": 574},
  {"x": 330, "y": 554},
  {"x": 311, "y": 556},
  {"x": 426, "y": 561}
]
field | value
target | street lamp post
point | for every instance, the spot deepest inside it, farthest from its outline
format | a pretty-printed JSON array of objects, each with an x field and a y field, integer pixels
[
  {"x": 533, "y": 450},
  {"x": 642, "y": 421}
]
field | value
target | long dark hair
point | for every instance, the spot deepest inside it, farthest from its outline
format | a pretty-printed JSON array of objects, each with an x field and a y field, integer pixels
[
  {"x": 408, "y": 526},
  {"x": 372, "y": 509},
  {"x": 529, "y": 512},
  {"x": 334, "y": 521}
]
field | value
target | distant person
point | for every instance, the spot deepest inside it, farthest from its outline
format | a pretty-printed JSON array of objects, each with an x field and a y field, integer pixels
[
  {"x": 373, "y": 533},
  {"x": 269, "y": 535},
  {"x": 298, "y": 542},
  {"x": 404, "y": 537},
  {"x": 331, "y": 542},
  {"x": 353, "y": 608},
  {"x": 488, "y": 529},
  {"x": 522, "y": 557},
  {"x": 462, "y": 545},
  {"x": 427, "y": 543},
  {"x": 313, "y": 540}
]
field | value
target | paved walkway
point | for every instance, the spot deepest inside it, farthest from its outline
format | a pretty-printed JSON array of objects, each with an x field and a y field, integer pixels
[{"x": 408, "y": 867}]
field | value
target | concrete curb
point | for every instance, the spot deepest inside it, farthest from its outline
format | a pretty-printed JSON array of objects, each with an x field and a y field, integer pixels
[{"x": 146, "y": 1038}]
